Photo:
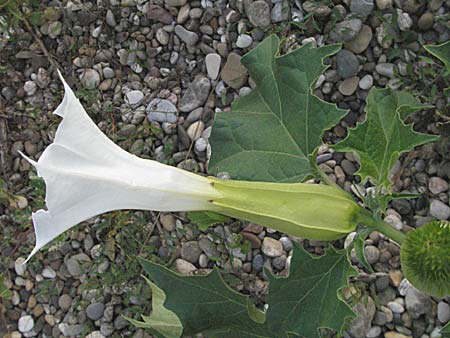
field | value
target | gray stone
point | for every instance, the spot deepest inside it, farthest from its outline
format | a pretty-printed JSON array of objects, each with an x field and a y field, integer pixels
[
  {"x": 25, "y": 324},
  {"x": 167, "y": 222},
  {"x": 426, "y": 21},
  {"x": 347, "y": 64},
  {"x": 42, "y": 78},
  {"x": 30, "y": 88},
  {"x": 396, "y": 307},
  {"x": 78, "y": 264},
  {"x": 280, "y": 11},
  {"x": 195, "y": 130},
  {"x": 244, "y": 41},
  {"x": 188, "y": 37},
  {"x": 365, "y": 311},
  {"x": 374, "y": 332},
  {"x": 160, "y": 110},
  {"x": 349, "y": 85},
  {"x": 20, "y": 266},
  {"x": 361, "y": 8},
  {"x": 366, "y": 82},
  {"x": 417, "y": 303},
  {"x": 110, "y": 19},
  {"x": 158, "y": 13},
  {"x": 384, "y": 4},
  {"x": 196, "y": 94},
  {"x": 437, "y": 185},
  {"x": 287, "y": 243},
  {"x": 64, "y": 302},
  {"x": 212, "y": 62},
  {"x": 386, "y": 69},
  {"x": 184, "y": 267},
  {"x": 361, "y": 41},
  {"x": 90, "y": 78},
  {"x": 272, "y": 247},
  {"x": 258, "y": 263},
  {"x": 162, "y": 36},
  {"x": 95, "y": 311},
  {"x": 443, "y": 312},
  {"x": 70, "y": 330},
  {"x": 190, "y": 251},
  {"x": 208, "y": 247},
  {"x": 439, "y": 210},
  {"x": 95, "y": 334},
  {"x": 134, "y": 97},
  {"x": 54, "y": 29},
  {"x": 259, "y": 13},
  {"x": 346, "y": 30},
  {"x": 175, "y": 3},
  {"x": 372, "y": 254},
  {"x": 404, "y": 22},
  {"x": 234, "y": 74}
]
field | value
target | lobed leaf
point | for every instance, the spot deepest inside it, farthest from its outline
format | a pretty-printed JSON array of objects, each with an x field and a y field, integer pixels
[
  {"x": 271, "y": 132},
  {"x": 300, "y": 304},
  {"x": 442, "y": 52},
  {"x": 383, "y": 136},
  {"x": 205, "y": 219}
]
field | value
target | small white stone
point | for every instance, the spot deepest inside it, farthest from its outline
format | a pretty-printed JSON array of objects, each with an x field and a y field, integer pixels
[
  {"x": 26, "y": 323},
  {"x": 184, "y": 267},
  {"x": 404, "y": 21},
  {"x": 134, "y": 97},
  {"x": 20, "y": 266},
  {"x": 366, "y": 82},
  {"x": 443, "y": 312},
  {"x": 212, "y": 62},
  {"x": 49, "y": 273},
  {"x": 271, "y": 247},
  {"x": 244, "y": 41},
  {"x": 195, "y": 130},
  {"x": 200, "y": 144}
]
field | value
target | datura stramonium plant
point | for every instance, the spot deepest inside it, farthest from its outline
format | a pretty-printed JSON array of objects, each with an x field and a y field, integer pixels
[{"x": 86, "y": 174}]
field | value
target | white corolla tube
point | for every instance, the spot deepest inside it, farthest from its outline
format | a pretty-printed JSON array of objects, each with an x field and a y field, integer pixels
[{"x": 86, "y": 174}]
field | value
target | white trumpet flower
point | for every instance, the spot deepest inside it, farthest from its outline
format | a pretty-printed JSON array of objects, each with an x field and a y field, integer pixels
[{"x": 86, "y": 174}]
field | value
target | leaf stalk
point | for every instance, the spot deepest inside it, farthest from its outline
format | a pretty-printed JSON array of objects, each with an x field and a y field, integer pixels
[{"x": 366, "y": 218}]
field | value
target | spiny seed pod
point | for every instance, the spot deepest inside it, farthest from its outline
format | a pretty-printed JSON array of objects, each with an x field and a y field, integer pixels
[{"x": 425, "y": 258}]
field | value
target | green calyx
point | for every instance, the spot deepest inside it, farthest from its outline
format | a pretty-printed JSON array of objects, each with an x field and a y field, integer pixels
[
  {"x": 311, "y": 211},
  {"x": 425, "y": 258}
]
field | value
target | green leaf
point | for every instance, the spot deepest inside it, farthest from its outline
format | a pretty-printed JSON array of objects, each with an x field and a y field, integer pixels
[
  {"x": 445, "y": 331},
  {"x": 383, "y": 136},
  {"x": 271, "y": 132},
  {"x": 205, "y": 219},
  {"x": 164, "y": 321},
  {"x": 206, "y": 304},
  {"x": 308, "y": 299},
  {"x": 442, "y": 52}
]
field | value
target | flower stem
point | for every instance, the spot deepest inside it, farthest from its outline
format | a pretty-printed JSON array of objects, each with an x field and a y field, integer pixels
[{"x": 365, "y": 218}]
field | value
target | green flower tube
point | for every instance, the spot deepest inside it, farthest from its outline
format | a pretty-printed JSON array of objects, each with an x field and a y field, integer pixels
[{"x": 305, "y": 210}]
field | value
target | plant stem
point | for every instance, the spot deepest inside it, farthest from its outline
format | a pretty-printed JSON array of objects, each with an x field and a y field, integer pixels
[{"x": 366, "y": 219}]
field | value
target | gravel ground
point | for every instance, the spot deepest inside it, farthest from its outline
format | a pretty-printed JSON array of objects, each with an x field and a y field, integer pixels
[{"x": 152, "y": 74}]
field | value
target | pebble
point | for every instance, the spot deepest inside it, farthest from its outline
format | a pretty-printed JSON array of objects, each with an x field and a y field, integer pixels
[
  {"x": 200, "y": 144},
  {"x": 110, "y": 19},
  {"x": 385, "y": 69},
  {"x": 70, "y": 330},
  {"x": 426, "y": 21},
  {"x": 373, "y": 332},
  {"x": 287, "y": 243},
  {"x": 346, "y": 30},
  {"x": 244, "y": 41},
  {"x": 348, "y": 86},
  {"x": 64, "y": 302},
  {"x": 196, "y": 94},
  {"x": 361, "y": 8},
  {"x": 365, "y": 311},
  {"x": 280, "y": 11},
  {"x": 190, "y": 251},
  {"x": 90, "y": 78},
  {"x": 271, "y": 247},
  {"x": 212, "y": 62},
  {"x": 384, "y": 4},
  {"x": 372, "y": 254},
  {"x": 347, "y": 64},
  {"x": 134, "y": 97},
  {"x": 439, "y": 210},
  {"x": 78, "y": 264},
  {"x": 396, "y": 307},
  {"x": 95, "y": 311},
  {"x": 394, "y": 334},
  {"x": 437, "y": 185},
  {"x": 161, "y": 110},
  {"x": 366, "y": 82},
  {"x": 30, "y": 88},
  {"x": 184, "y": 267},
  {"x": 417, "y": 303},
  {"x": 20, "y": 266},
  {"x": 175, "y": 3},
  {"x": 361, "y": 41},
  {"x": 188, "y": 37},
  {"x": 443, "y": 312},
  {"x": 258, "y": 13},
  {"x": 54, "y": 29},
  {"x": 26, "y": 323},
  {"x": 404, "y": 22},
  {"x": 49, "y": 273},
  {"x": 95, "y": 334},
  {"x": 234, "y": 74}
]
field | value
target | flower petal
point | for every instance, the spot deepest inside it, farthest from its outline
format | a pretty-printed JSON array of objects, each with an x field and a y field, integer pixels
[{"x": 86, "y": 174}]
